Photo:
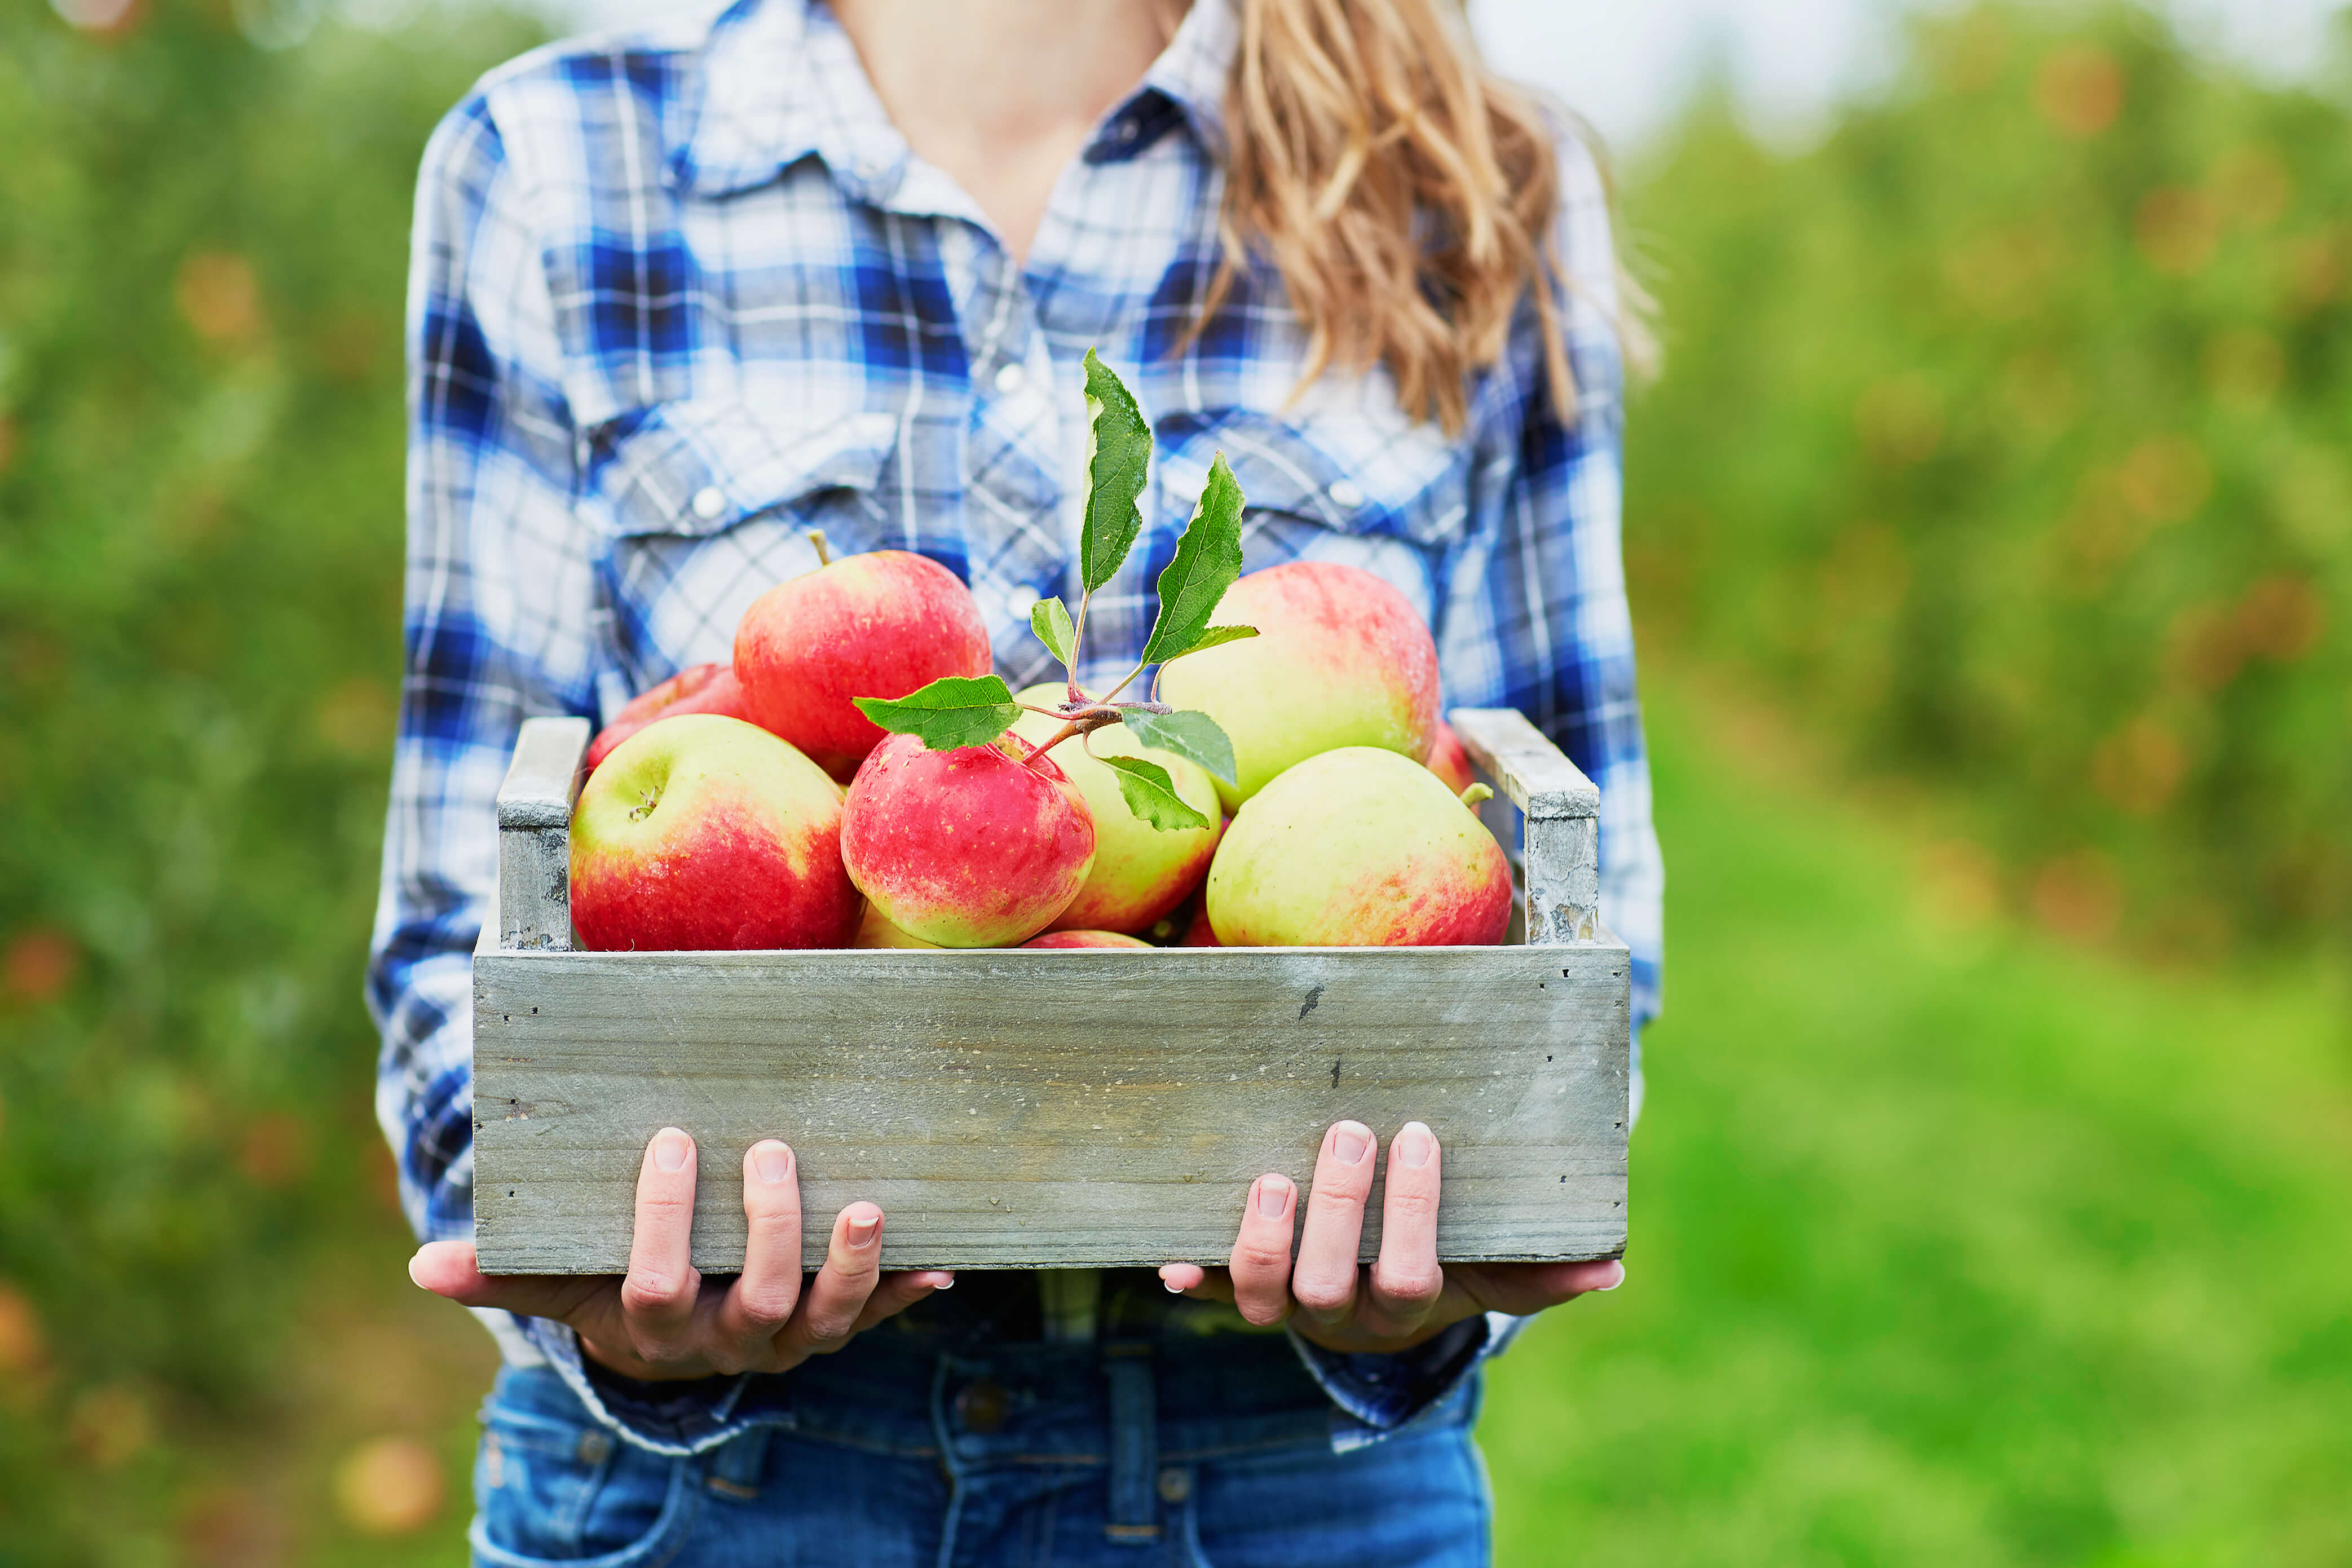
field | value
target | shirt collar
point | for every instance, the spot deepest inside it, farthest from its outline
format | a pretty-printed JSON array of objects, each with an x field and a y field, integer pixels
[{"x": 779, "y": 80}]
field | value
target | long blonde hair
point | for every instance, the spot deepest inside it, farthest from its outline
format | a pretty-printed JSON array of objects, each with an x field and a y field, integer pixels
[{"x": 1408, "y": 196}]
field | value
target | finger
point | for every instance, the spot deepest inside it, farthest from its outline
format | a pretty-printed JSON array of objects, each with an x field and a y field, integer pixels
[
  {"x": 1261, "y": 1257},
  {"x": 657, "y": 1298},
  {"x": 1524, "y": 1288},
  {"x": 896, "y": 1292},
  {"x": 1406, "y": 1279},
  {"x": 829, "y": 1308},
  {"x": 761, "y": 1299},
  {"x": 1325, "y": 1280},
  {"x": 1200, "y": 1284},
  {"x": 448, "y": 1270}
]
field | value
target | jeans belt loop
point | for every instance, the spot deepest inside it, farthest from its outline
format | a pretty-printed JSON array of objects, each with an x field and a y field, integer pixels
[
  {"x": 1134, "y": 1517},
  {"x": 736, "y": 1464}
]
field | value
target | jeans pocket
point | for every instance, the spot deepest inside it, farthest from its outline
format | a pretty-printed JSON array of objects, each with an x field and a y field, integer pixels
[{"x": 550, "y": 1490}]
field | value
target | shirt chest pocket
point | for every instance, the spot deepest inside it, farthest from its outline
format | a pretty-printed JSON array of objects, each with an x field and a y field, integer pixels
[
  {"x": 703, "y": 506},
  {"x": 1391, "y": 500}
]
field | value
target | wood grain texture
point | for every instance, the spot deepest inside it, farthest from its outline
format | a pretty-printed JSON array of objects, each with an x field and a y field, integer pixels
[
  {"x": 535, "y": 834},
  {"x": 1046, "y": 1109}
]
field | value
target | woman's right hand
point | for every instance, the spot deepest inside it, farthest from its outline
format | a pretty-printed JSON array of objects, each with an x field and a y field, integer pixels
[{"x": 663, "y": 1320}]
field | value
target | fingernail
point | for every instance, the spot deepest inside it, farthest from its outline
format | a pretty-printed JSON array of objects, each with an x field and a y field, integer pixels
[
  {"x": 1414, "y": 1146},
  {"x": 773, "y": 1162},
  {"x": 862, "y": 1231},
  {"x": 1273, "y": 1195},
  {"x": 1617, "y": 1281},
  {"x": 670, "y": 1149},
  {"x": 1169, "y": 1286},
  {"x": 943, "y": 1282},
  {"x": 1350, "y": 1143}
]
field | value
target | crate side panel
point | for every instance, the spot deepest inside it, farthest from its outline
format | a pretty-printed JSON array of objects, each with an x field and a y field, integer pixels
[{"x": 1046, "y": 1109}]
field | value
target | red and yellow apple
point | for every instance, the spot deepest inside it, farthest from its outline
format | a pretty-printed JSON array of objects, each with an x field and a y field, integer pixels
[
  {"x": 1358, "y": 848},
  {"x": 699, "y": 688},
  {"x": 704, "y": 831},
  {"x": 1140, "y": 872},
  {"x": 1085, "y": 939},
  {"x": 976, "y": 847},
  {"x": 876, "y": 625},
  {"x": 876, "y": 932},
  {"x": 1342, "y": 658},
  {"x": 1450, "y": 760}
]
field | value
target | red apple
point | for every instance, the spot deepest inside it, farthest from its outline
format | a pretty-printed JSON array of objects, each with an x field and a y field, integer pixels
[
  {"x": 975, "y": 847},
  {"x": 703, "y": 832},
  {"x": 877, "y": 625},
  {"x": 1198, "y": 932},
  {"x": 1084, "y": 939},
  {"x": 1340, "y": 659},
  {"x": 699, "y": 688},
  {"x": 1449, "y": 760},
  {"x": 1359, "y": 848}
]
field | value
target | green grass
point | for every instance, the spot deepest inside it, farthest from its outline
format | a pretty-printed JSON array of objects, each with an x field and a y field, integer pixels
[{"x": 1950, "y": 1245}]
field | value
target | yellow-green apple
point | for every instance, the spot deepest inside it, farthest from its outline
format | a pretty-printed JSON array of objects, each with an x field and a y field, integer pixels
[
  {"x": 876, "y": 932},
  {"x": 705, "y": 831},
  {"x": 1140, "y": 872},
  {"x": 1450, "y": 760},
  {"x": 1340, "y": 659},
  {"x": 1359, "y": 848},
  {"x": 981, "y": 846},
  {"x": 877, "y": 625},
  {"x": 1085, "y": 939},
  {"x": 699, "y": 688}
]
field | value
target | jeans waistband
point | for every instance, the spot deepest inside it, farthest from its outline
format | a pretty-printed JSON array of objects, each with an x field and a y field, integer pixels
[{"x": 1022, "y": 1402}]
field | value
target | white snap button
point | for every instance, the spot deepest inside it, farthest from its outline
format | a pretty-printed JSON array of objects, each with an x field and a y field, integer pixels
[
  {"x": 1021, "y": 601},
  {"x": 1347, "y": 494},
  {"x": 709, "y": 503},
  {"x": 1009, "y": 378}
]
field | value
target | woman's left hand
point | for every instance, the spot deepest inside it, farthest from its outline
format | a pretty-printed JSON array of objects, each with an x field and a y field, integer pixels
[{"x": 1394, "y": 1303}]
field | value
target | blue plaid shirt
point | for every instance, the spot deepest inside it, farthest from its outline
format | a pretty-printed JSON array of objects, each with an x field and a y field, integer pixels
[{"x": 676, "y": 301}]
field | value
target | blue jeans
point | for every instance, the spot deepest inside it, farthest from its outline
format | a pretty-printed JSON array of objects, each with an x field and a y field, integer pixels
[{"x": 896, "y": 1454}]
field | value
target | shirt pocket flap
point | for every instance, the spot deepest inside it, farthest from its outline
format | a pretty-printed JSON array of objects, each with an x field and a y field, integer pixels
[
  {"x": 698, "y": 468},
  {"x": 1407, "y": 484}
]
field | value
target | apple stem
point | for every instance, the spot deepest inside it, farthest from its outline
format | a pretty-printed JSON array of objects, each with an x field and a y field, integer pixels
[
  {"x": 816, "y": 538},
  {"x": 1061, "y": 735}
]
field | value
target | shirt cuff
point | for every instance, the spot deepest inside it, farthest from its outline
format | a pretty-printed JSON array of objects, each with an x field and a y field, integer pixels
[
  {"x": 670, "y": 1418},
  {"x": 1375, "y": 1395}
]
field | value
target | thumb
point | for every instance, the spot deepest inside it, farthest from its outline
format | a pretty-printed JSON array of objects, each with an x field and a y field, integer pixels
[{"x": 450, "y": 1270}]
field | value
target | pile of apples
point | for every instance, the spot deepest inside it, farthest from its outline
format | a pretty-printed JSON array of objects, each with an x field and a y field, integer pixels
[{"x": 856, "y": 777}]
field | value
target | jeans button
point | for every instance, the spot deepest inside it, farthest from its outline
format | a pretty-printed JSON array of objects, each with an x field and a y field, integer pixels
[
  {"x": 1175, "y": 1484},
  {"x": 983, "y": 1406},
  {"x": 594, "y": 1447}
]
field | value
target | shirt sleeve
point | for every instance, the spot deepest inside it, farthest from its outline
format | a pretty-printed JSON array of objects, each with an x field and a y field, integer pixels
[
  {"x": 501, "y": 624},
  {"x": 1535, "y": 618}
]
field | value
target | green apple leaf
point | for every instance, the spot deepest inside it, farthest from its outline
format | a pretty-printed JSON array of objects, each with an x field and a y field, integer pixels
[
  {"x": 1194, "y": 736},
  {"x": 1050, "y": 618},
  {"x": 1208, "y": 560},
  {"x": 1118, "y": 452},
  {"x": 955, "y": 710},
  {"x": 1212, "y": 637},
  {"x": 1151, "y": 795}
]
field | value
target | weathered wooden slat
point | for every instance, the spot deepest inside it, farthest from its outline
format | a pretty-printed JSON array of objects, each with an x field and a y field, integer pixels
[
  {"x": 535, "y": 834},
  {"x": 1046, "y": 1109},
  {"x": 1562, "y": 812}
]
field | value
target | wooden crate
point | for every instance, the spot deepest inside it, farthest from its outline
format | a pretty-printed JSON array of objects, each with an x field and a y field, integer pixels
[{"x": 1017, "y": 1108}]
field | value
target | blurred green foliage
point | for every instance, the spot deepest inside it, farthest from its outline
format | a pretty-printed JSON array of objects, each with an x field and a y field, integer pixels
[
  {"x": 2009, "y": 433},
  {"x": 203, "y": 252},
  {"x": 2004, "y": 439}
]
